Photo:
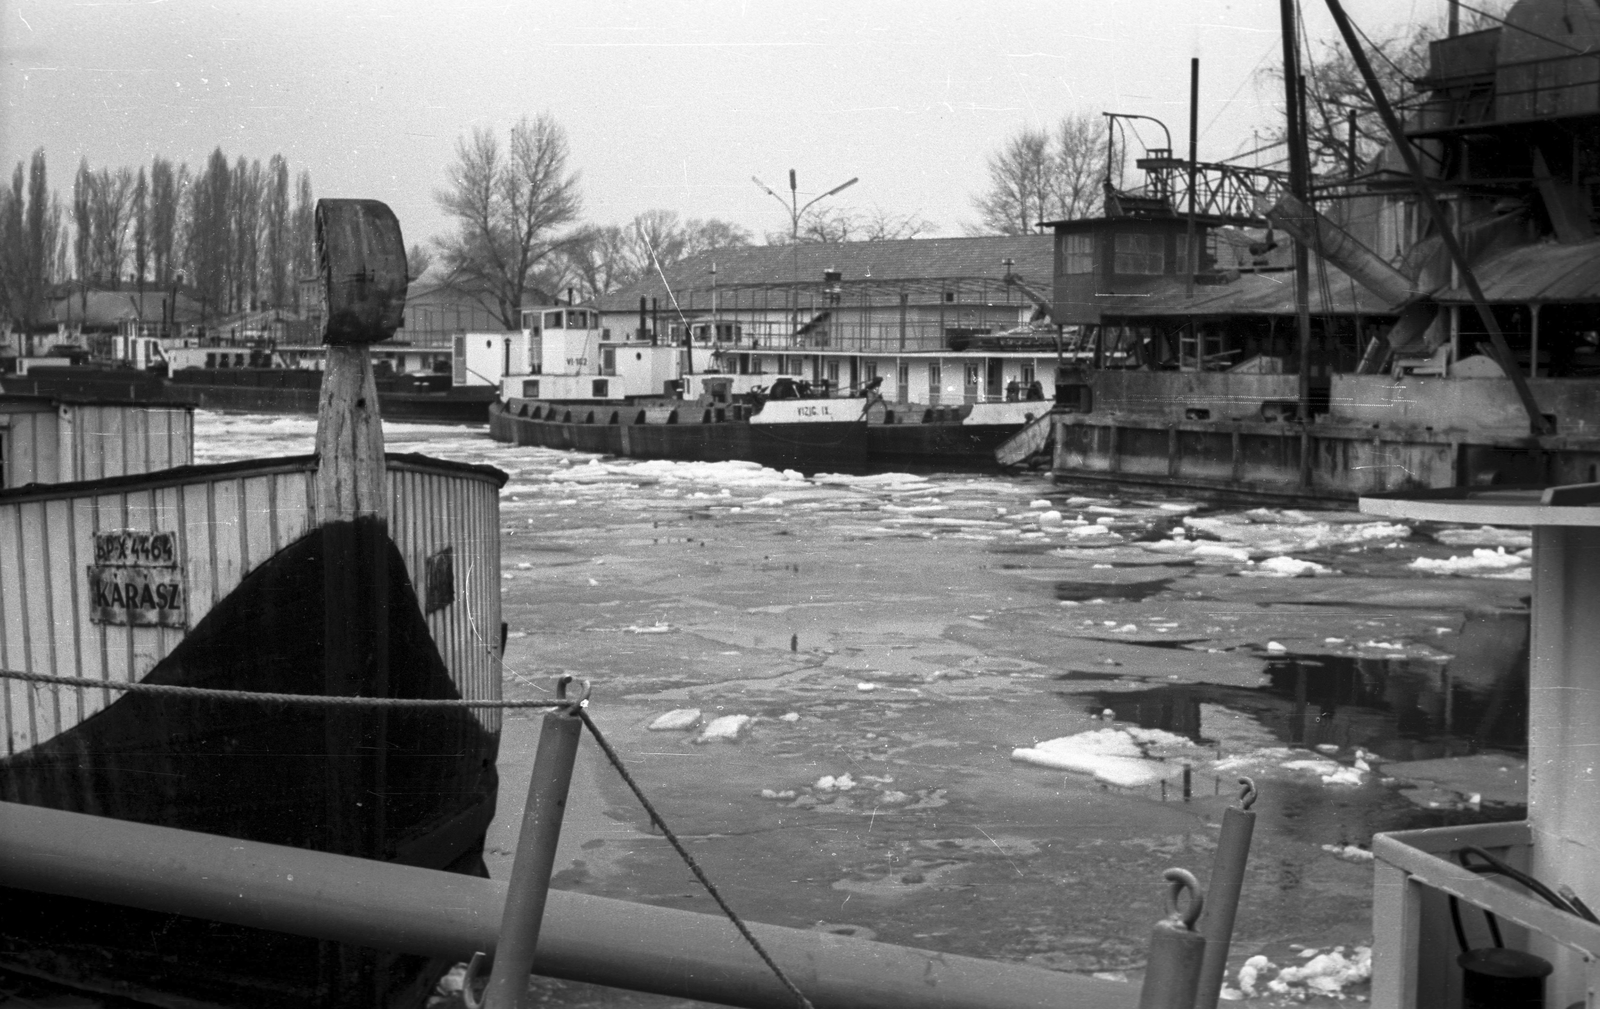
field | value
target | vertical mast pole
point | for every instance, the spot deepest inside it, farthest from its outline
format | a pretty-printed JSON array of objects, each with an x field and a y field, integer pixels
[
  {"x": 1298, "y": 185},
  {"x": 1191, "y": 253}
]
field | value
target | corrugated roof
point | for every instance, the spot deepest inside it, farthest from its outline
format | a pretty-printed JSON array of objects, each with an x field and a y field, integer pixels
[
  {"x": 1332, "y": 293},
  {"x": 1529, "y": 273},
  {"x": 915, "y": 259}
]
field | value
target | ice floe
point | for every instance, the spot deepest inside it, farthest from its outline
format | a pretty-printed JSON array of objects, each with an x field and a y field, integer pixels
[
  {"x": 1482, "y": 560},
  {"x": 1120, "y": 756},
  {"x": 1327, "y": 974},
  {"x": 1485, "y": 536},
  {"x": 676, "y": 720},
  {"x": 726, "y": 729}
]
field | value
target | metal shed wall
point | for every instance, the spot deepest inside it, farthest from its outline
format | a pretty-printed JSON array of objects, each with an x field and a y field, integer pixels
[{"x": 226, "y": 523}]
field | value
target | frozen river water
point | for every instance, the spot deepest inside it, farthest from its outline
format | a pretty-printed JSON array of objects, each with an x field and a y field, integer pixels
[{"x": 893, "y": 641}]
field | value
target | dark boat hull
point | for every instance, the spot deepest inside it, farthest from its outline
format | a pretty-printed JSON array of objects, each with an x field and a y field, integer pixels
[
  {"x": 868, "y": 444},
  {"x": 415, "y": 786},
  {"x": 832, "y": 446},
  {"x": 253, "y": 390}
]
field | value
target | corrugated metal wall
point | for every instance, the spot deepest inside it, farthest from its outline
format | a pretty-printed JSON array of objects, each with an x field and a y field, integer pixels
[
  {"x": 29, "y": 447},
  {"x": 87, "y": 441},
  {"x": 432, "y": 509},
  {"x": 113, "y": 439},
  {"x": 226, "y": 525}
]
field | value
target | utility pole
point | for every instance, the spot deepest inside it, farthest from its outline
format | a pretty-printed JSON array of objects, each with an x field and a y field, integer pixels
[{"x": 795, "y": 212}]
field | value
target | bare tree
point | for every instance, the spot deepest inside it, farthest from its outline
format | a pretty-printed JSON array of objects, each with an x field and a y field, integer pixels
[
  {"x": 82, "y": 197},
  {"x": 303, "y": 249},
  {"x": 418, "y": 259},
  {"x": 598, "y": 260},
  {"x": 511, "y": 207},
  {"x": 1080, "y": 167},
  {"x": 1039, "y": 175},
  {"x": 28, "y": 225},
  {"x": 209, "y": 250},
  {"x": 275, "y": 214},
  {"x": 702, "y": 236},
  {"x": 655, "y": 236},
  {"x": 141, "y": 228},
  {"x": 163, "y": 219},
  {"x": 879, "y": 225},
  {"x": 244, "y": 213},
  {"x": 110, "y": 197},
  {"x": 1020, "y": 185}
]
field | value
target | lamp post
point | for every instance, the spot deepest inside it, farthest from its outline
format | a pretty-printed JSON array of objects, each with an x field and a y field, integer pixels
[{"x": 795, "y": 211}]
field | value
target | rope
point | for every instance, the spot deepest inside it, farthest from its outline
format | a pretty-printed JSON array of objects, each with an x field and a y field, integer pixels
[
  {"x": 688, "y": 859},
  {"x": 305, "y": 700}
]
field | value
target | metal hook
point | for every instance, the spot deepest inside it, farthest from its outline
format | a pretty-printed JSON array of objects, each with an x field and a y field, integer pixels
[
  {"x": 582, "y": 700},
  {"x": 1183, "y": 879},
  {"x": 1247, "y": 794},
  {"x": 477, "y": 968}
]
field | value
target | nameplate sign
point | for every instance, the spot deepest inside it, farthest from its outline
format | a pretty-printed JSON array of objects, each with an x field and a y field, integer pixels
[{"x": 136, "y": 581}]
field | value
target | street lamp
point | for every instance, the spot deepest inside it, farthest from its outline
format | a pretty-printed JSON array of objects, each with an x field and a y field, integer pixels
[{"x": 795, "y": 212}]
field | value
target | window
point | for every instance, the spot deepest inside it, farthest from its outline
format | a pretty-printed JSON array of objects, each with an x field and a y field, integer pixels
[
  {"x": 552, "y": 320},
  {"x": 601, "y": 388},
  {"x": 1077, "y": 253},
  {"x": 577, "y": 319},
  {"x": 1139, "y": 253},
  {"x": 530, "y": 388}
]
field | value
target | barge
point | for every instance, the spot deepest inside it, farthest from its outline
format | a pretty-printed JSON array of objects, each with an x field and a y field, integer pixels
[
  {"x": 667, "y": 402},
  {"x": 349, "y": 573}
]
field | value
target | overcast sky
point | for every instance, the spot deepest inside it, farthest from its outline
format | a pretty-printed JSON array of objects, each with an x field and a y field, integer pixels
[{"x": 672, "y": 104}]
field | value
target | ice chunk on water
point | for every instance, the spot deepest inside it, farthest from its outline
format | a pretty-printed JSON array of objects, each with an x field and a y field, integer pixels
[
  {"x": 1110, "y": 755},
  {"x": 725, "y": 729},
  {"x": 1289, "y": 567},
  {"x": 1482, "y": 559},
  {"x": 1485, "y": 536},
  {"x": 676, "y": 720}
]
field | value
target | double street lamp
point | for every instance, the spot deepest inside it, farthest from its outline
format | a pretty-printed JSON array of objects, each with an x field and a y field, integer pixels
[{"x": 792, "y": 205}]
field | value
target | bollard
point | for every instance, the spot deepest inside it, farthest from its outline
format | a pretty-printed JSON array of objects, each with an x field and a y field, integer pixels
[
  {"x": 1176, "y": 949},
  {"x": 536, "y": 856},
  {"x": 1222, "y": 904}
]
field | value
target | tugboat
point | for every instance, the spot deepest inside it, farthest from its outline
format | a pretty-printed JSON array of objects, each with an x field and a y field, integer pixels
[{"x": 346, "y": 573}]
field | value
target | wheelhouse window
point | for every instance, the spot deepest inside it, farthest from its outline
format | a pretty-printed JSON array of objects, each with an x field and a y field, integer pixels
[
  {"x": 1139, "y": 253},
  {"x": 552, "y": 320},
  {"x": 1077, "y": 253}
]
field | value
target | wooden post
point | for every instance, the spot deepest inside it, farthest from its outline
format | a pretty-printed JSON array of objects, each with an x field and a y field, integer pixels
[{"x": 364, "y": 280}]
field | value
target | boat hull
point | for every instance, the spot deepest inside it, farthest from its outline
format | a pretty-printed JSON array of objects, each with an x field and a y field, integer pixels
[
  {"x": 879, "y": 439},
  {"x": 684, "y": 435},
  {"x": 272, "y": 604},
  {"x": 252, "y": 390}
]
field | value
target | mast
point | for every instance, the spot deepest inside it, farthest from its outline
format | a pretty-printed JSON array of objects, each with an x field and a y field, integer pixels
[
  {"x": 1191, "y": 253},
  {"x": 1299, "y": 186}
]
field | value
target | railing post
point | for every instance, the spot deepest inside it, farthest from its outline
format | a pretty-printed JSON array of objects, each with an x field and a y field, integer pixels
[
  {"x": 1176, "y": 949},
  {"x": 535, "y": 857},
  {"x": 1222, "y": 895}
]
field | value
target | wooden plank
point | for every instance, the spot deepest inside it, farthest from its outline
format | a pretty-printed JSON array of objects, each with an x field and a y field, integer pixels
[
  {"x": 1529, "y": 912},
  {"x": 1514, "y": 833},
  {"x": 17, "y": 732},
  {"x": 1396, "y": 937}
]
